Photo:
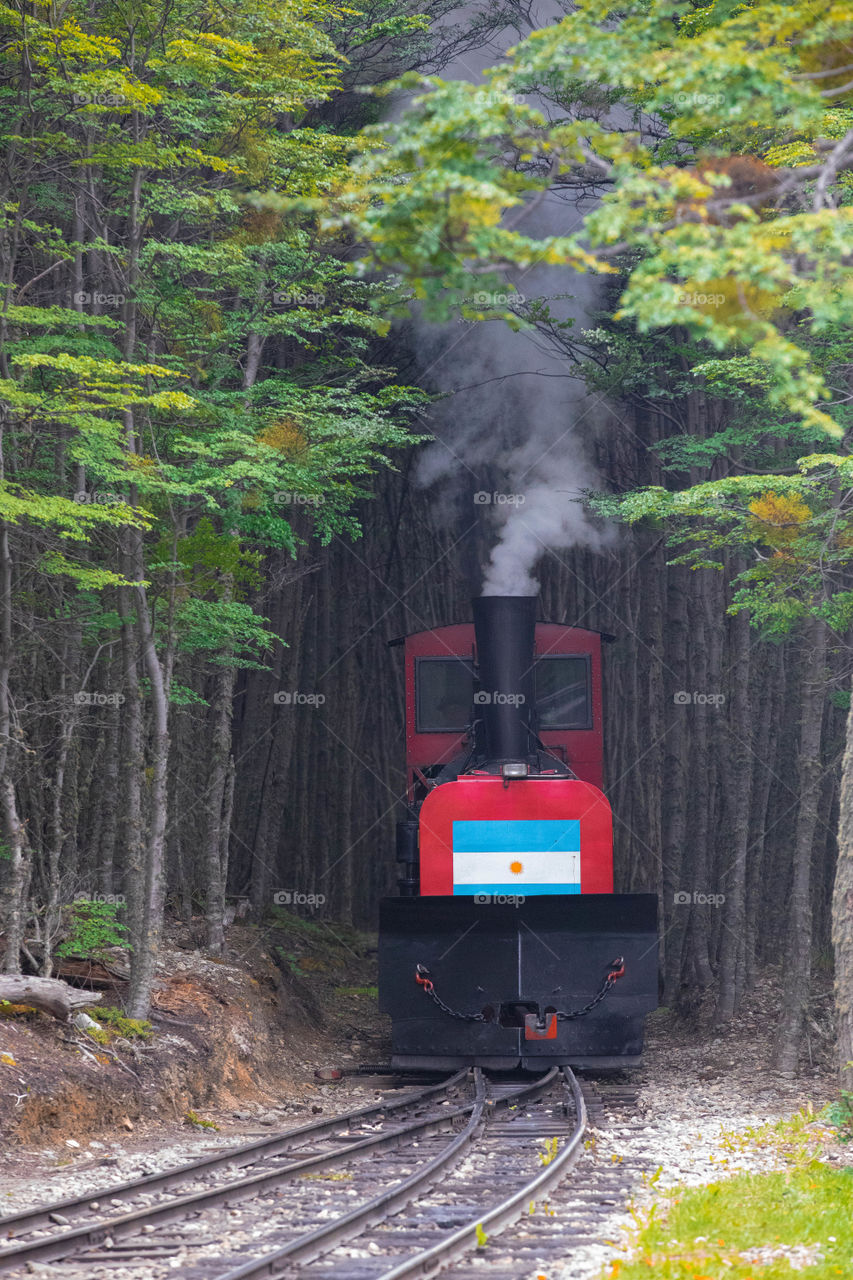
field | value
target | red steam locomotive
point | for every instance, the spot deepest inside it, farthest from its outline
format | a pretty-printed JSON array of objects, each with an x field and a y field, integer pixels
[{"x": 507, "y": 946}]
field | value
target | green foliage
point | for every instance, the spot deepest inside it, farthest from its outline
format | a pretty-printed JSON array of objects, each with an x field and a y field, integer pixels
[
  {"x": 293, "y": 961},
  {"x": 797, "y": 1139},
  {"x": 93, "y": 928},
  {"x": 207, "y": 560},
  {"x": 290, "y": 922},
  {"x": 728, "y": 221},
  {"x": 840, "y": 1115},
  {"x": 796, "y": 530},
  {"x": 135, "y": 408},
  {"x": 713, "y": 1230},
  {"x": 720, "y": 81},
  {"x": 227, "y": 631}
]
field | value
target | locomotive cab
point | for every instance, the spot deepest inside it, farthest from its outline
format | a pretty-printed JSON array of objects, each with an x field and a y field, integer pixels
[{"x": 507, "y": 945}]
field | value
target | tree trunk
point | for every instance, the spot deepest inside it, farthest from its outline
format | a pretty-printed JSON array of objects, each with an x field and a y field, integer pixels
[
  {"x": 143, "y": 969},
  {"x": 797, "y": 958},
  {"x": 17, "y": 852},
  {"x": 700, "y": 799},
  {"x": 130, "y": 835},
  {"x": 733, "y": 880},
  {"x": 842, "y": 917},
  {"x": 216, "y": 791},
  {"x": 675, "y": 791},
  {"x": 53, "y": 911},
  {"x": 104, "y": 855}
]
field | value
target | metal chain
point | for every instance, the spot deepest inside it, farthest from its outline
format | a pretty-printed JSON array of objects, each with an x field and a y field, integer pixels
[
  {"x": 423, "y": 979},
  {"x": 616, "y": 970}
]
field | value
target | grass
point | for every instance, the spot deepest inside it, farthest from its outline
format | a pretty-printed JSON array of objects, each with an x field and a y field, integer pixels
[
  {"x": 307, "y": 947},
  {"x": 715, "y": 1231},
  {"x": 796, "y": 1139},
  {"x": 330, "y": 934}
]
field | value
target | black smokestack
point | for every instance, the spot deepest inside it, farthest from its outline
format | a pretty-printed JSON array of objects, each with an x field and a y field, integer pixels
[{"x": 504, "y": 628}]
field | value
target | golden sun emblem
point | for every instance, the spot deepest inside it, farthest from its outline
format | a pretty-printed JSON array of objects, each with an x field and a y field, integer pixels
[{"x": 516, "y": 868}]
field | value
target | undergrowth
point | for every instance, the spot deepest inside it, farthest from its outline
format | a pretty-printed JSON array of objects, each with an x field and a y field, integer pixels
[
  {"x": 118, "y": 1026},
  {"x": 798, "y": 1221}
]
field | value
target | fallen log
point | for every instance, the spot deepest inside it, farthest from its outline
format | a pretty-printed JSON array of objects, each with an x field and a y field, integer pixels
[
  {"x": 93, "y": 972},
  {"x": 50, "y": 994}
]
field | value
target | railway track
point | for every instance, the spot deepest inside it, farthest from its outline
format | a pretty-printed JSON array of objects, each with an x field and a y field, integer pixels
[{"x": 405, "y": 1188}]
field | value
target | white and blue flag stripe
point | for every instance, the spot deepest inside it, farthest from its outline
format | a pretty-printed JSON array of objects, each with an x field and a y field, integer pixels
[{"x": 529, "y": 856}]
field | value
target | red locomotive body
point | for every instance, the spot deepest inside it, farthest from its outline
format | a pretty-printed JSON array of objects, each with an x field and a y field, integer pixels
[
  {"x": 507, "y": 911},
  {"x": 567, "y": 663}
]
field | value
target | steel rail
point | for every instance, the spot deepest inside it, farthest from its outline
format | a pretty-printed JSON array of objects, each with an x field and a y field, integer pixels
[
  {"x": 64, "y": 1244},
  {"x": 330, "y": 1235},
  {"x": 430, "y": 1261},
  {"x": 245, "y": 1154}
]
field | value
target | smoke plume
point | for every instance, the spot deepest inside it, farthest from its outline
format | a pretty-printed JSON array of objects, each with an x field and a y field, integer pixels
[
  {"x": 514, "y": 431},
  {"x": 514, "y": 434}
]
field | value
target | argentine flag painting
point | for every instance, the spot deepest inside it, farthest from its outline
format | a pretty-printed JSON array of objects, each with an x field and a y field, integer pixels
[{"x": 529, "y": 856}]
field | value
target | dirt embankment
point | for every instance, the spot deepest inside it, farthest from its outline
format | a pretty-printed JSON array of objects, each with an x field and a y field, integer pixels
[{"x": 244, "y": 1032}]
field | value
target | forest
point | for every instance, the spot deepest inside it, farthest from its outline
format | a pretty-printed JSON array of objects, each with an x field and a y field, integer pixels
[{"x": 261, "y": 268}]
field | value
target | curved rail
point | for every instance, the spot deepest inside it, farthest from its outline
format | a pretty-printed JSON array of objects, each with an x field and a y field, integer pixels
[
  {"x": 323, "y": 1238},
  {"x": 328, "y": 1236},
  {"x": 430, "y": 1261},
  {"x": 65, "y": 1243}
]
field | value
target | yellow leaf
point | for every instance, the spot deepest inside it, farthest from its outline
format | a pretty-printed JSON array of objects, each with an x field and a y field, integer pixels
[
  {"x": 778, "y": 517},
  {"x": 284, "y": 435}
]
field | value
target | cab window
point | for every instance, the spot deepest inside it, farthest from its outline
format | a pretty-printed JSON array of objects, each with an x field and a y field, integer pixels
[
  {"x": 444, "y": 694},
  {"x": 563, "y": 694}
]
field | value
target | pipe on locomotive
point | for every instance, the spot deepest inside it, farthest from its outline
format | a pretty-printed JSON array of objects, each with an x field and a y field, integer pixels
[{"x": 504, "y": 630}]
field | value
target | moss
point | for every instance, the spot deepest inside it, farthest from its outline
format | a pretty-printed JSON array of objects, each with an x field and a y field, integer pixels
[
  {"x": 118, "y": 1024},
  {"x": 192, "y": 1117},
  {"x": 10, "y": 1010},
  {"x": 101, "y": 1035}
]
